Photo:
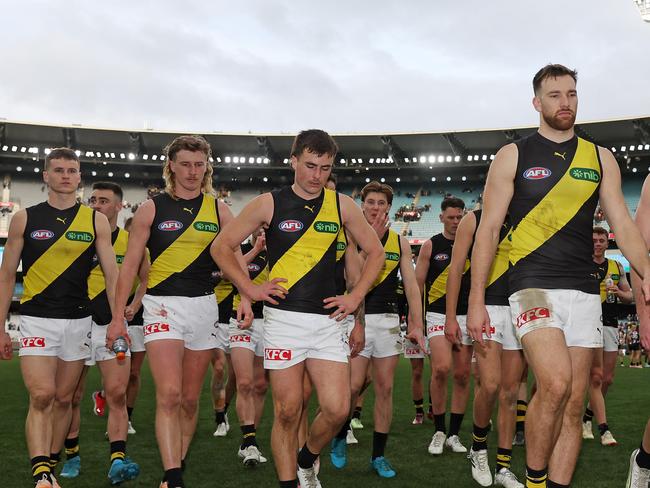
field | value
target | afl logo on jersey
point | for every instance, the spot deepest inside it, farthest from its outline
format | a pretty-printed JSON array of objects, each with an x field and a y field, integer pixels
[
  {"x": 253, "y": 267},
  {"x": 290, "y": 226},
  {"x": 42, "y": 234},
  {"x": 441, "y": 257},
  {"x": 537, "y": 173},
  {"x": 170, "y": 225}
]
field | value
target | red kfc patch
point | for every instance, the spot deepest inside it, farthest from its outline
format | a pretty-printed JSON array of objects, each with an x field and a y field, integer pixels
[
  {"x": 533, "y": 314},
  {"x": 32, "y": 342},
  {"x": 277, "y": 354},
  {"x": 435, "y": 328},
  {"x": 240, "y": 338},
  {"x": 155, "y": 327}
]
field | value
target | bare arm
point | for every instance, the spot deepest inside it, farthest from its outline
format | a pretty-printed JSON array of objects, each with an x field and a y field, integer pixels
[
  {"x": 642, "y": 219},
  {"x": 422, "y": 265},
  {"x": 106, "y": 256},
  {"x": 624, "y": 292},
  {"x": 462, "y": 244},
  {"x": 10, "y": 260},
  {"x": 627, "y": 233},
  {"x": 412, "y": 292},
  {"x": 143, "y": 277}
]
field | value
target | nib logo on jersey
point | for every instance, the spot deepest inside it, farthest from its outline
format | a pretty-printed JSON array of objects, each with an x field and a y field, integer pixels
[
  {"x": 536, "y": 313},
  {"x": 537, "y": 173},
  {"x": 290, "y": 226},
  {"x": 277, "y": 354},
  {"x": 170, "y": 226},
  {"x": 327, "y": 227},
  {"x": 32, "y": 342},
  {"x": 155, "y": 328}
]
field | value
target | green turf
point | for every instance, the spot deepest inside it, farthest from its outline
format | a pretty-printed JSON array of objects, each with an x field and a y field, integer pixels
[{"x": 213, "y": 462}]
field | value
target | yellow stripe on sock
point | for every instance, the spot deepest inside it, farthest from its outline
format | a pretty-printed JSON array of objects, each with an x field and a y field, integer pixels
[
  {"x": 41, "y": 468},
  {"x": 250, "y": 434},
  {"x": 479, "y": 439},
  {"x": 117, "y": 455}
]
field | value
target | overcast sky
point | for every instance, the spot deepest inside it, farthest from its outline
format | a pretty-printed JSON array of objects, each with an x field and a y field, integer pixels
[{"x": 344, "y": 66}]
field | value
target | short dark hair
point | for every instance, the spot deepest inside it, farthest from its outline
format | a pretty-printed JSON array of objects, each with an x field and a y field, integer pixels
[
  {"x": 376, "y": 187},
  {"x": 315, "y": 141},
  {"x": 61, "y": 153},
  {"x": 452, "y": 202},
  {"x": 601, "y": 231},
  {"x": 109, "y": 185},
  {"x": 552, "y": 71}
]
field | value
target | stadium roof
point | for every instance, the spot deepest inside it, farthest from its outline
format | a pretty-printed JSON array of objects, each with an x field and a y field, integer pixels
[{"x": 141, "y": 151}]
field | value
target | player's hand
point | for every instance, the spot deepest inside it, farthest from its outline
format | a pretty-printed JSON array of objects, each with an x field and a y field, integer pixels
[
  {"x": 416, "y": 336},
  {"x": 6, "y": 350},
  {"x": 345, "y": 305},
  {"x": 645, "y": 286},
  {"x": 260, "y": 243},
  {"x": 452, "y": 330},
  {"x": 478, "y": 322},
  {"x": 381, "y": 224},
  {"x": 244, "y": 313},
  {"x": 130, "y": 310},
  {"x": 357, "y": 339},
  {"x": 114, "y": 330},
  {"x": 268, "y": 291}
]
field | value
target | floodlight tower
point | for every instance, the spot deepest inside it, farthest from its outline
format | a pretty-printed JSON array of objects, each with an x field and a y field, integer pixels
[{"x": 644, "y": 9}]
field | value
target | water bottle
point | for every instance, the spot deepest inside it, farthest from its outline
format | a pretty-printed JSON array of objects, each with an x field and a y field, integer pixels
[
  {"x": 120, "y": 346},
  {"x": 611, "y": 297}
]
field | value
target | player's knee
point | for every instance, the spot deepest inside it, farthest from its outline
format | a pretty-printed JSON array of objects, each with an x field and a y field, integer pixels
[
  {"x": 490, "y": 387},
  {"x": 508, "y": 395},
  {"x": 596, "y": 377},
  {"x": 260, "y": 386},
  {"x": 608, "y": 380},
  {"x": 169, "y": 398},
  {"x": 42, "y": 399},
  {"x": 555, "y": 390},
  {"x": 134, "y": 378},
  {"x": 190, "y": 406},
  {"x": 383, "y": 389},
  {"x": 287, "y": 413},
  {"x": 440, "y": 373},
  {"x": 337, "y": 412},
  {"x": 244, "y": 385},
  {"x": 115, "y": 395},
  {"x": 461, "y": 378}
]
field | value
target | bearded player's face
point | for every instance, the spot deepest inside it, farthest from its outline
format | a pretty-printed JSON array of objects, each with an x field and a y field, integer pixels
[{"x": 557, "y": 102}]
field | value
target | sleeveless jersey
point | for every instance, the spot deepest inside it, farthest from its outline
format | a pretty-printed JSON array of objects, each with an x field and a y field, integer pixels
[
  {"x": 224, "y": 292},
  {"x": 258, "y": 272},
  {"x": 57, "y": 256},
  {"x": 99, "y": 306},
  {"x": 179, "y": 246},
  {"x": 382, "y": 296},
  {"x": 436, "y": 281},
  {"x": 341, "y": 246},
  {"x": 301, "y": 247},
  {"x": 552, "y": 210},
  {"x": 610, "y": 310},
  {"x": 635, "y": 338},
  {"x": 496, "y": 287}
]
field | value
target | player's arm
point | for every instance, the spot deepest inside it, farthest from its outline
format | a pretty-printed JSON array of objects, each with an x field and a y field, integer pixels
[
  {"x": 498, "y": 192},
  {"x": 422, "y": 265},
  {"x": 628, "y": 236},
  {"x": 143, "y": 277},
  {"x": 257, "y": 248},
  {"x": 10, "y": 259},
  {"x": 642, "y": 219},
  {"x": 353, "y": 264},
  {"x": 412, "y": 292},
  {"x": 135, "y": 253},
  {"x": 106, "y": 256},
  {"x": 355, "y": 224},
  {"x": 460, "y": 250},
  {"x": 223, "y": 250},
  {"x": 623, "y": 290}
]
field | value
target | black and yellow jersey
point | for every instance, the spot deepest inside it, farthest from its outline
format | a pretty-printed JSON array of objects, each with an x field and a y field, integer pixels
[
  {"x": 224, "y": 292},
  {"x": 610, "y": 268},
  {"x": 258, "y": 272},
  {"x": 341, "y": 246},
  {"x": 301, "y": 247},
  {"x": 179, "y": 246},
  {"x": 57, "y": 256},
  {"x": 99, "y": 306},
  {"x": 435, "y": 291},
  {"x": 382, "y": 296},
  {"x": 496, "y": 286},
  {"x": 552, "y": 210}
]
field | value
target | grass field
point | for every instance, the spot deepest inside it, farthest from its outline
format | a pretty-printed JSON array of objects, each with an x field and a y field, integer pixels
[{"x": 213, "y": 462}]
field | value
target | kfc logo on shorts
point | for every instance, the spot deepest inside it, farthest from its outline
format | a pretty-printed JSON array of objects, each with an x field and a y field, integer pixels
[
  {"x": 409, "y": 351},
  {"x": 240, "y": 338},
  {"x": 32, "y": 342},
  {"x": 537, "y": 173},
  {"x": 277, "y": 354},
  {"x": 441, "y": 257},
  {"x": 290, "y": 226},
  {"x": 42, "y": 234},
  {"x": 435, "y": 328},
  {"x": 170, "y": 225},
  {"x": 533, "y": 314},
  {"x": 155, "y": 327}
]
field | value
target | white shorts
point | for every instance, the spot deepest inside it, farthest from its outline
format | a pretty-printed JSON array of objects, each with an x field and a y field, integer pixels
[
  {"x": 223, "y": 337},
  {"x": 501, "y": 328},
  {"x": 136, "y": 334},
  {"x": 67, "y": 339},
  {"x": 436, "y": 327},
  {"x": 413, "y": 351},
  {"x": 382, "y": 336},
  {"x": 251, "y": 338},
  {"x": 192, "y": 320},
  {"x": 576, "y": 313},
  {"x": 292, "y": 337},
  {"x": 99, "y": 351},
  {"x": 610, "y": 339}
]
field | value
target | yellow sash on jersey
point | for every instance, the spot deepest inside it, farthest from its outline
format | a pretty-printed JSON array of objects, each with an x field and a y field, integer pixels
[
  {"x": 393, "y": 254},
  {"x": 341, "y": 245},
  {"x": 259, "y": 279},
  {"x": 614, "y": 273},
  {"x": 223, "y": 290},
  {"x": 60, "y": 256},
  {"x": 501, "y": 260},
  {"x": 307, "y": 252},
  {"x": 560, "y": 204},
  {"x": 439, "y": 285},
  {"x": 96, "y": 281},
  {"x": 189, "y": 245}
]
